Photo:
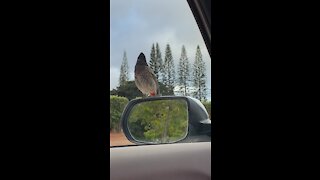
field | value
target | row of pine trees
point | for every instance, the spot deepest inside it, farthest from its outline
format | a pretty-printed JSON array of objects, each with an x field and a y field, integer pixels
[{"x": 184, "y": 76}]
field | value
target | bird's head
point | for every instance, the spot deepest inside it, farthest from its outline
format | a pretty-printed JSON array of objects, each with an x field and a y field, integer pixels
[{"x": 142, "y": 60}]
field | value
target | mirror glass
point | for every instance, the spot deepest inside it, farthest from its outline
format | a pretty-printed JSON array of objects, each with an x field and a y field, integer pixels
[{"x": 159, "y": 121}]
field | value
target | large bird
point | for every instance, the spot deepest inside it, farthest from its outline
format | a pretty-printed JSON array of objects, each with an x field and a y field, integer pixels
[{"x": 145, "y": 79}]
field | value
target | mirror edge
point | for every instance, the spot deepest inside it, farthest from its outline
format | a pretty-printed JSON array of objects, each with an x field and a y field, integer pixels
[{"x": 132, "y": 103}]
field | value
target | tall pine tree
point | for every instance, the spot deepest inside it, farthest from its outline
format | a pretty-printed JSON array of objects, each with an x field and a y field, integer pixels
[
  {"x": 199, "y": 76},
  {"x": 124, "y": 70},
  {"x": 184, "y": 71},
  {"x": 153, "y": 63},
  {"x": 168, "y": 73},
  {"x": 159, "y": 61}
]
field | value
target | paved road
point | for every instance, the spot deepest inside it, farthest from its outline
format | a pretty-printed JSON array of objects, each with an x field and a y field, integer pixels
[{"x": 118, "y": 139}]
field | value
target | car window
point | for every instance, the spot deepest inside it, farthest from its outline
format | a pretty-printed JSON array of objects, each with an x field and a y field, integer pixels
[{"x": 168, "y": 36}]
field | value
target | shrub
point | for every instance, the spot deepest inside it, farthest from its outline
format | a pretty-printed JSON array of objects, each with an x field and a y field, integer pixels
[
  {"x": 207, "y": 105},
  {"x": 117, "y": 105}
]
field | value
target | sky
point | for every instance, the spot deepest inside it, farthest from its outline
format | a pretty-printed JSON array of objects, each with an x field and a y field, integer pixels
[{"x": 137, "y": 24}]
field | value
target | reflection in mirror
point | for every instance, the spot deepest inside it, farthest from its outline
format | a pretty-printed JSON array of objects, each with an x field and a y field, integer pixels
[{"x": 159, "y": 121}]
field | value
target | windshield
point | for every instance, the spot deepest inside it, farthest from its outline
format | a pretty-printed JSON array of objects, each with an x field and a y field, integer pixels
[{"x": 168, "y": 36}]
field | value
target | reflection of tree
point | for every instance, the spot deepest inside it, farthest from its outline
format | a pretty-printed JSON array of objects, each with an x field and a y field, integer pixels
[
  {"x": 159, "y": 121},
  {"x": 137, "y": 128},
  {"x": 166, "y": 124}
]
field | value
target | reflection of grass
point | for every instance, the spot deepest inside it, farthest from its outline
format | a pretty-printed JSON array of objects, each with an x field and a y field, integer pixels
[{"x": 161, "y": 120}]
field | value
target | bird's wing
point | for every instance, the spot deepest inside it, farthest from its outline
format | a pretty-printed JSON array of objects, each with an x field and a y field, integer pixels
[
  {"x": 151, "y": 72},
  {"x": 155, "y": 80}
]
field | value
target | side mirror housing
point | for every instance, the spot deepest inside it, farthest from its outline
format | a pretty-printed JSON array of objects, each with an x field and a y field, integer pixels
[{"x": 166, "y": 119}]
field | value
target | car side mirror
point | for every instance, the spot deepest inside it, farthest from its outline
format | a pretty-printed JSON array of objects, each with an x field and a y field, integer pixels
[{"x": 166, "y": 119}]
